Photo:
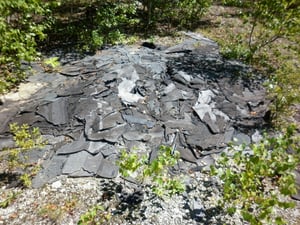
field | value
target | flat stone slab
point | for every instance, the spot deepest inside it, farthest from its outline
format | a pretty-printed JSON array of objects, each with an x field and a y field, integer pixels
[
  {"x": 55, "y": 112},
  {"x": 186, "y": 96},
  {"x": 93, "y": 147}
]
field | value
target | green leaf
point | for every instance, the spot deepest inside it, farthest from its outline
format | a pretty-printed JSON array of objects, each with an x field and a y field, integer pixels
[
  {"x": 280, "y": 221},
  {"x": 248, "y": 217},
  {"x": 231, "y": 210}
]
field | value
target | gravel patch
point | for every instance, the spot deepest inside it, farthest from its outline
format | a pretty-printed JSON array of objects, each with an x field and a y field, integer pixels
[{"x": 66, "y": 199}]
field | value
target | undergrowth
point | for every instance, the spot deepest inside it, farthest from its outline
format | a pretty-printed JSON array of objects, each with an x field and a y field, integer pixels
[
  {"x": 155, "y": 173},
  {"x": 258, "y": 179},
  {"x": 25, "y": 139}
]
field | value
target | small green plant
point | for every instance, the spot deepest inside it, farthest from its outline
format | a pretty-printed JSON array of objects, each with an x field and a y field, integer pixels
[
  {"x": 25, "y": 140},
  {"x": 256, "y": 183},
  {"x": 235, "y": 49},
  {"x": 25, "y": 137},
  {"x": 96, "y": 215},
  {"x": 9, "y": 199},
  {"x": 156, "y": 173},
  {"x": 51, "y": 64}
]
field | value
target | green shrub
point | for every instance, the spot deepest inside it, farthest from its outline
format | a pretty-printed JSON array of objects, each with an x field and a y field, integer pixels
[
  {"x": 154, "y": 174},
  {"x": 284, "y": 91},
  {"x": 182, "y": 13},
  {"x": 256, "y": 183},
  {"x": 88, "y": 25},
  {"x": 110, "y": 22},
  {"x": 20, "y": 26},
  {"x": 267, "y": 21},
  {"x": 236, "y": 49},
  {"x": 25, "y": 140}
]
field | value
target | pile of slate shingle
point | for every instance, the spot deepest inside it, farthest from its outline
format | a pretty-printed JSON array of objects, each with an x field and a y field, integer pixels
[{"x": 187, "y": 96}]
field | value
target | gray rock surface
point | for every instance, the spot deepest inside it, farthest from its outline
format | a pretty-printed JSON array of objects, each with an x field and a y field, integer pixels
[{"x": 128, "y": 96}]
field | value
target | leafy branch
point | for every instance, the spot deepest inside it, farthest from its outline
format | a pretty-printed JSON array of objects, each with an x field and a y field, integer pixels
[
  {"x": 25, "y": 138},
  {"x": 155, "y": 173},
  {"x": 256, "y": 182}
]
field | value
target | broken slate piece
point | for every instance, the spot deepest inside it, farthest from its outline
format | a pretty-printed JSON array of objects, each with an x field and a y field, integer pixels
[
  {"x": 112, "y": 135},
  {"x": 184, "y": 47},
  {"x": 136, "y": 136},
  {"x": 84, "y": 106},
  {"x": 76, "y": 90},
  {"x": 6, "y": 142},
  {"x": 71, "y": 70},
  {"x": 187, "y": 155},
  {"x": 104, "y": 122},
  {"x": 51, "y": 169},
  {"x": 80, "y": 173},
  {"x": 92, "y": 147},
  {"x": 241, "y": 138},
  {"x": 55, "y": 112},
  {"x": 32, "y": 156},
  {"x": 75, "y": 162},
  {"x": 108, "y": 150},
  {"x": 28, "y": 118},
  {"x": 204, "y": 45},
  {"x": 127, "y": 85},
  {"x": 136, "y": 120},
  {"x": 125, "y": 92},
  {"x": 207, "y": 111},
  {"x": 202, "y": 106},
  {"x": 92, "y": 163},
  {"x": 206, "y": 141},
  {"x": 75, "y": 146},
  {"x": 185, "y": 124},
  {"x": 107, "y": 169}
]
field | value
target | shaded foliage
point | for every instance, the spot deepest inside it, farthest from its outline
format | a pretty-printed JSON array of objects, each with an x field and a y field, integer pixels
[
  {"x": 21, "y": 24},
  {"x": 267, "y": 21},
  {"x": 88, "y": 25},
  {"x": 85, "y": 25},
  {"x": 25, "y": 139},
  {"x": 284, "y": 91},
  {"x": 92, "y": 24}
]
